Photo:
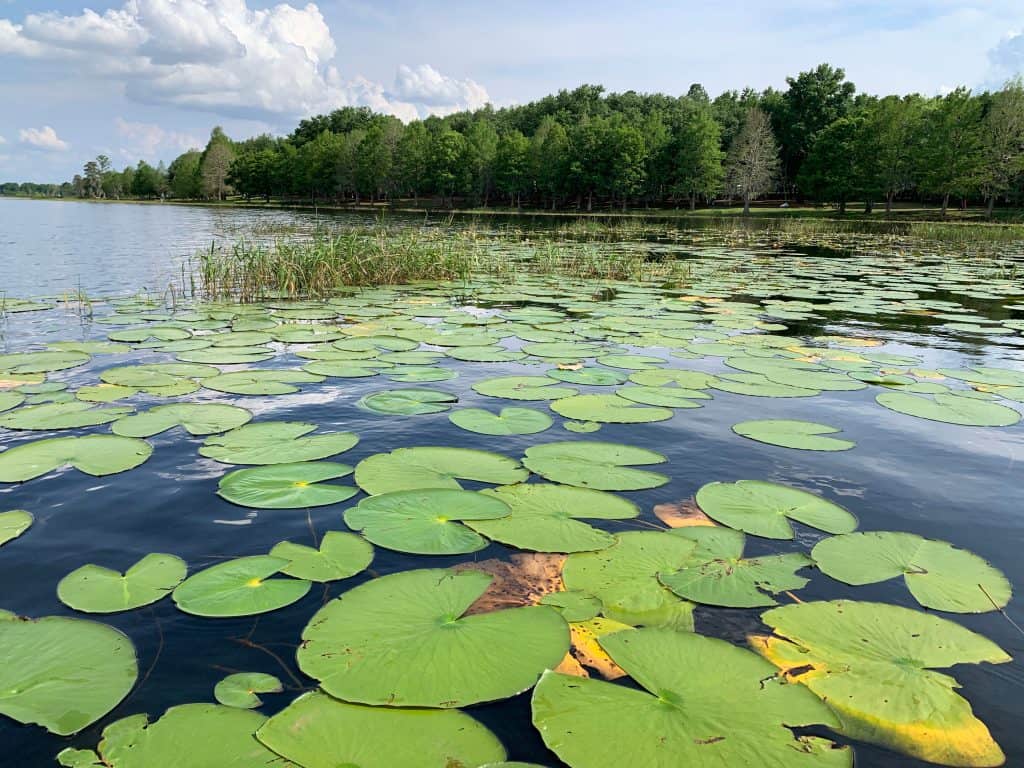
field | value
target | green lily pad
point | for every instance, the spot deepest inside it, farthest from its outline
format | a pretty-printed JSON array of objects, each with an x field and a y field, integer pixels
[
  {"x": 510, "y": 421},
  {"x": 703, "y": 702},
  {"x": 548, "y": 518},
  {"x": 66, "y": 415},
  {"x": 491, "y": 353},
  {"x": 632, "y": 362},
  {"x": 317, "y": 731},
  {"x": 719, "y": 575},
  {"x": 78, "y": 758},
  {"x": 624, "y": 577},
  {"x": 602, "y": 466},
  {"x": 340, "y": 556},
  {"x": 425, "y": 521},
  {"x": 19, "y": 363},
  {"x": 240, "y": 689},
  {"x": 104, "y": 393},
  {"x": 581, "y": 427},
  {"x": 287, "y": 486},
  {"x": 663, "y": 376},
  {"x": 574, "y": 605},
  {"x": 589, "y": 376},
  {"x": 240, "y": 587},
  {"x": 261, "y": 381},
  {"x": 950, "y": 408},
  {"x": 276, "y": 442},
  {"x": 63, "y": 674},
  {"x": 155, "y": 332},
  {"x": 194, "y": 418},
  {"x": 564, "y": 350},
  {"x": 187, "y": 736},
  {"x": 608, "y": 409},
  {"x": 97, "y": 455},
  {"x": 523, "y": 388},
  {"x": 95, "y": 589},
  {"x": 873, "y": 665},
  {"x": 403, "y": 641},
  {"x": 226, "y": 355},
  {"x": 10, "y": 400},
  {"x": 14, "y": 523},
  {"x": 669, "y": 397},
  {"x": 756, "y": 385},
  {"x": 787, "y": 433},
  {"x": 407, "y": 469},
  {"x": 408, "y": 402},
  {"x": 413, "y": 374},
  {"x": 765, "y": 509},
  {"x": 938, "y": 575}
]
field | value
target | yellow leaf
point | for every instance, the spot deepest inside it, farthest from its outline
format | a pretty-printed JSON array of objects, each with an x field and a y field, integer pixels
[
  {"x": 682, "y": 514},
  {"x": 589, "y": 652}
]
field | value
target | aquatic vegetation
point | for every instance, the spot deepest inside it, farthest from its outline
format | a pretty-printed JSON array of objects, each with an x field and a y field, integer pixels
[
  {"x": 339, "y": 556},
  {"x": 92, "y": 454},
  {"x": 287, "y": 486},
  {"x": 13, "y": 523},
  {"x": 96, "y": 589},
  {"x": 789, "y": 433},
  {"x": 408, "y": 469},
  {"x": 602, "y": 466},
  {"x": 276, "y": 442},
  {"x": 508, "y": 421},
  {"x": 241, "y": 587},
  {"x": 240, "y": 689}
]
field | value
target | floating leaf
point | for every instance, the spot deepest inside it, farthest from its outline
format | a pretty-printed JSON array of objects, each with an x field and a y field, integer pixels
[
  {"x": 523, "y": 388},
  {"x": 938, "y": 575},
  {"x": 372, "y": 644},
  {"x": 586, "y": 644},
  {"x": 765, "y": 509},
  {"x": 97, "y": 455},
  {"x": 425, "y": 521},
  {"x": 523, "y": 579},
  {"x": 581, "y": 427},
  {"x": 589, "y": 376},
  {"x": 873, "y": 665},
  {"x": 13, "y": 524},
  {"x": 602, "y": 466},
  {"x": 287, "y": 486},
  {"x": 240, "y": 587},
  {"x": 408, "y": 402},
  {"x": 340, "y": 556},
  {"x": 63, "y": 674},
  {"x": 682, "y": 514},
  {"x": 194, "y": 418},
  {"x": 240, "y": 689},
  {"x": 78, "y": 758},
  {"x": 95, "y": 589},
  {"x": 625, "y": 578},
  {"x": 10, "y": 400},
  {"x": 802, "y": 435},
  {"x": 19, "y": 363},
  {"x": 317, "y": 731},
  {"x": 608, "y": 409},
  {"x": 545, "y": 517},
  {"x": 669, "y": 397},
  {"x": 510, "y": 421},
  {"x": 950, "y": 408},
  {"x": 187, "y": 736},
  {"x": 574, "y": 605},
  {"x": 276, "y": 442},
  {"x": 705, "y": 703},
  {"x": 261, "y": 381},
  {"x": 66, "y": 415},
  {"x": 408, "y": 469},
  {"x": 104, "y": 393}
]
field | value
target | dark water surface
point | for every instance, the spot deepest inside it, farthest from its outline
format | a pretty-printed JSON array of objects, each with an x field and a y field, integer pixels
[{"x": 958, "y": 484}]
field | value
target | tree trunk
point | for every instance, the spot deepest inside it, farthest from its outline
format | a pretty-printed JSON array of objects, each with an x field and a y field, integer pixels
[
  {"x": 590, "y": 201},
  {"x": 991, "y": 206},
  {"x": 693, "y": 201},
  {"x": 945, "y": 204},
  {"x": 623, "y": 203},
  {"x": 888, "y": 202},
  {"x": 746, "y": 205},
  {"x": 869, "y": 206},
  {"x": 842, "y": 207}
]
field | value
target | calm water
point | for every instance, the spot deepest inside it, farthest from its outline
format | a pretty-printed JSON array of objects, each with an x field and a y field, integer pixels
[{"x": 952, "y": 483}]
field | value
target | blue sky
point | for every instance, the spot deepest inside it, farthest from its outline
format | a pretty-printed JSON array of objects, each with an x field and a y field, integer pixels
[{"x": 146, "y": 79}]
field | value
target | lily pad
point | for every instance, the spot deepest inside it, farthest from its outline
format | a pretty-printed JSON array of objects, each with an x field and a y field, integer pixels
[
  {"x": 407, "y": 469},
  {"x": 787, "y": 433},
  {"x": 287, "y": 486},
  {"x": 625, "y": 578},
  {"x": 19, "y": 363},
  {"x": 194, "y": 418},
  {"x": 510, "y": 421},
  {"x": 765, "y": 509},
  {"x": 63, "y": 674},
  {"x": 276, "y": 442},
  {"x": 408, "y": 402},
  {"x": 950, "y": 408},
  {"x": 574, "y": 605},
  {"x": 95, "y": 589},
  {"x": 340, "y": 556},
  {"x": 261, "y": 381},
  {"x": 938, "y": 575},
  {"x": 317, "y": 731},
  {"x": 96, "y": 455},
  {"x": 10, "y": 400},
  {"x": 608, "y": 409},
  {"x": 240, "y": 689},
  {"x": 523, "y": 388},
  {"x": 602, "y": 466},
  {"x": 425, "y": 521},
  {"x": 589, "y": 376},
  {"x": 403, "y": 641},
  {"x": 548, "y": 518},
  {"x": 66, "y": 415},
  {"x": 240, "y": 587},
  {"x": 873, "y": 665},
  {"x": 703, "y": 702},
  {"x": 14, "y": 523}
]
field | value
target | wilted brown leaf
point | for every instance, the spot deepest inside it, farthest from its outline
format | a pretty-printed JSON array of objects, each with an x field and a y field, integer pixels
[
  {"x": 522, "y": 580},
  {"x": 682, "y": 514}
]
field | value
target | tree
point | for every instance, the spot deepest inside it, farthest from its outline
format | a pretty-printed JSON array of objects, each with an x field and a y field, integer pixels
[
  {"x": 374, "y": 158},
  {"x": 813, "y": 101},
  {"x": 413, "y": 161},
  {"x": 753, "y": 159},
  {"x": 147, "y": 181},
  {"x": 696, "y": 154},
  {"x": 481, "y": 148},
  {"x": 448, "y": 162},
  {"x": 511, "y": 166},
  {"x": 215, "y": 165},
  {"x": 832, "y": 171},
  {"x": 1002, "y": 142},
  {"x": 548, "y": 159},
  {"x": 889, "y": 143},
  {"x": 93, "y": 179},
  {"x": 183, "y": 178},
  {"x": 952, "y": 151}
]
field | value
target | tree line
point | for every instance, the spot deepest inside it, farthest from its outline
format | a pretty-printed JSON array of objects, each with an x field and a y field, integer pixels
[{"x": 818, "y": 140}]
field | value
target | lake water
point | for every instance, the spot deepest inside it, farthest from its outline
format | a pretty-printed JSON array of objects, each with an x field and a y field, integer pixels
[{"x": 954, "y": 483}]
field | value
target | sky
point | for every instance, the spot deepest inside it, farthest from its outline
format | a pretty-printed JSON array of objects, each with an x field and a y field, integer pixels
[{"x": 148, "y": 79}]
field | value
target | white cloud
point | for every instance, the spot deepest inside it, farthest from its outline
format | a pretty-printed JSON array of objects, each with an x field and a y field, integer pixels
[
  {"x": 146, "y": 140},
  {"x": 222, "y": 56},
  {"x": 1006, "y": 60},
  {"x": 3, "y": 140},
  {"x": 44, "y": 138}
]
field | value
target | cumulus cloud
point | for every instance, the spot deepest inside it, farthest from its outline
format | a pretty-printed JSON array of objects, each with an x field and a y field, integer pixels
[
  {"x": 1006, "y": 60},
  {"x": 146, "y": 140},
  {"x": 222, "y": 56},
  {"x": 44, "y": 138}
]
